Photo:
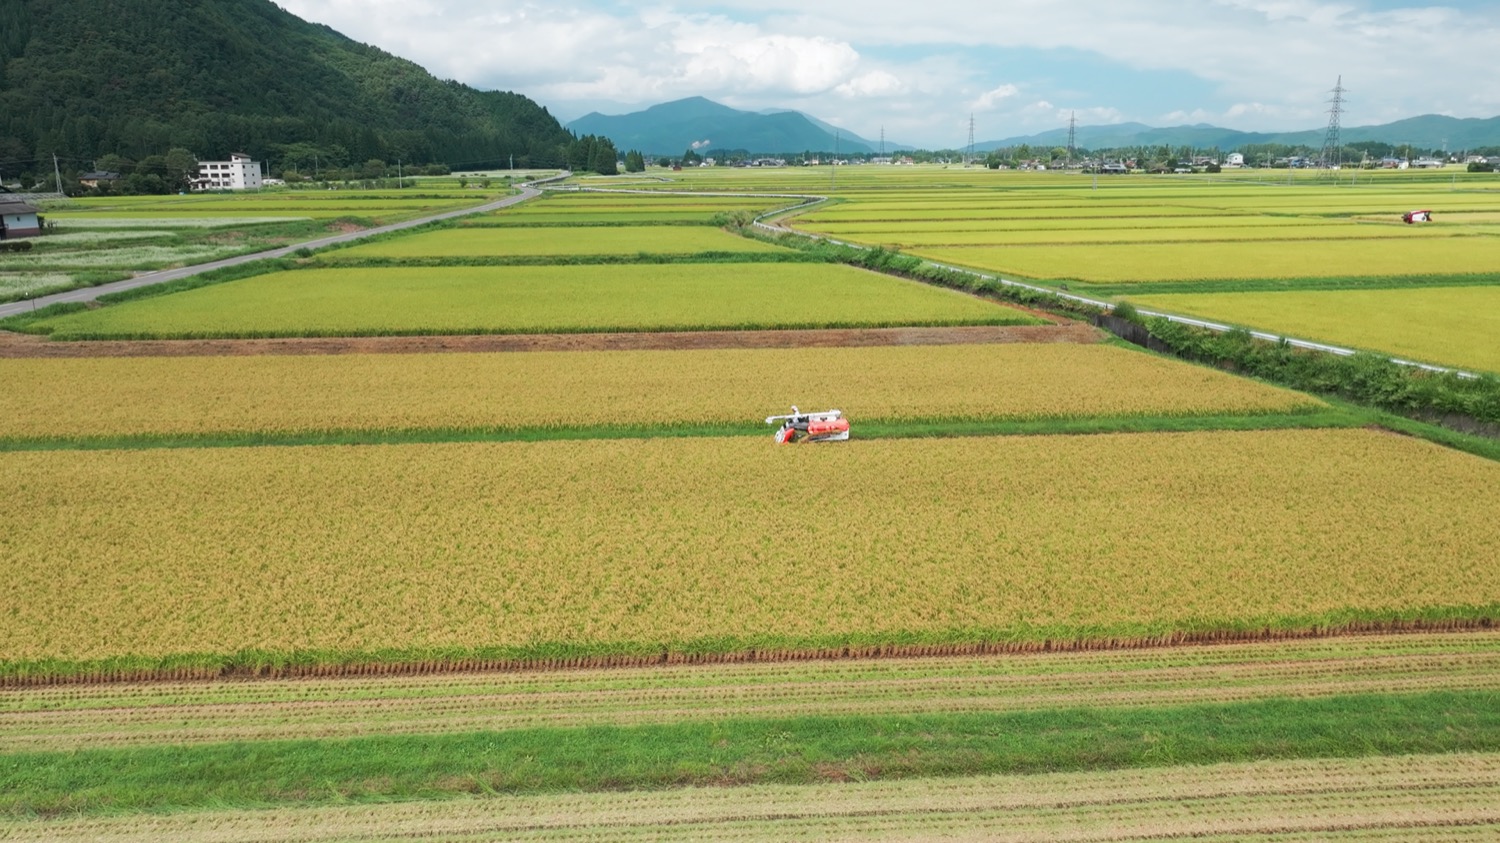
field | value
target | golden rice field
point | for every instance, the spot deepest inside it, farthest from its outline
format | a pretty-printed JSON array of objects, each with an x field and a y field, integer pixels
[
  {"x": 1455, "y": 326},
  {"x": 560, "y": 241},
  {"x": 110, "y": 396},
  {"x": 635, "y": 545},
  {"x": 536, "y": 299},
  {"x": 1221, "y": 261},
  {"x": 1196, "y": 238}
]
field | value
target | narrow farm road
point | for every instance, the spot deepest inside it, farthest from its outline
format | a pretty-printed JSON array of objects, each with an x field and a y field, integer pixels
[{"x": 86, "y": 294}]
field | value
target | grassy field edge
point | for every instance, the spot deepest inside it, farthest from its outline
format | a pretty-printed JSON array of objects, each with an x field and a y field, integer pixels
[
  {"x": 1307, "y": 417},
  {"x": 743, "y": 751}
]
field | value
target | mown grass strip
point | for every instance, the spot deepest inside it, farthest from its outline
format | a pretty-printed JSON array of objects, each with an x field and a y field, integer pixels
[
  {"x": 790, "y": 751},
  {"x": 1309, "y": 418}
]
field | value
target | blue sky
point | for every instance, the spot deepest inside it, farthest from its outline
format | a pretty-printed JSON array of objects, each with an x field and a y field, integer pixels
[{"x": 919, "y": 70}]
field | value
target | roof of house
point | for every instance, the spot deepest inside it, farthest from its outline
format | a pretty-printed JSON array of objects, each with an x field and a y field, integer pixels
[
  {"x": 101, "y": 175},
  {"x": 16, "y": 208}
]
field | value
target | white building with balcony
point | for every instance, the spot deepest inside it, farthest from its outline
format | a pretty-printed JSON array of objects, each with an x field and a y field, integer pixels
[{"x": 238, "y": 173}]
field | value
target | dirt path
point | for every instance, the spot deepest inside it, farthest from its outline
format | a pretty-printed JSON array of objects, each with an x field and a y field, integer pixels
[{"x": 13, "y": 345}]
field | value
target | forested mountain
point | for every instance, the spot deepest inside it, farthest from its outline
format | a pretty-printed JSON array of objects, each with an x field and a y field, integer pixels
[
  {"x": 672, "y": 128},
  {"x": 85, "y": 78}
]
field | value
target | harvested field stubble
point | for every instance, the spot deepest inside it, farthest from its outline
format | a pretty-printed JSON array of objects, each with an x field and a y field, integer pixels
[
  {"x": 641, "y": 547},
  {"x": 71, "y": 716},
  {"x": 1410, "y": 798},
  {"x": 273, "y": 394}
]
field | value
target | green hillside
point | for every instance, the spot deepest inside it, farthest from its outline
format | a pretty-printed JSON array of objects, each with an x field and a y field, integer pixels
[
  {"x": 673, "y": 127},
  {"x": 84, "y": 78}
]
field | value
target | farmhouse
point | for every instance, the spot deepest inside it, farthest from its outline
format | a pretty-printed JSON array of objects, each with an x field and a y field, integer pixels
[
  {"x": 17, "y": 219},
  {"x": 93, "y": 179},
  {"x": 238, "y": 173}
]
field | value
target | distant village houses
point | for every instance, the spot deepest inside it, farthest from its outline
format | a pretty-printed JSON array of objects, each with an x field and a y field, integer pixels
[
  {"x": 238, "y": 173},
  {"x": 18, "y": 219}
]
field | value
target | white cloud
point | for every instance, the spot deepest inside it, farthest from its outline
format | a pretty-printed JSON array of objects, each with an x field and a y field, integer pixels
[
  {"x": 875, "y": 83},
  {"x": 990, "y": 99},
  {"x": 1249, "y": 64}
]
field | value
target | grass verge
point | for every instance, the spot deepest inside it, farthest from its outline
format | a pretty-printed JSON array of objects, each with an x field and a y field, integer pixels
[
  {"x": 872, "y": 429},
  {"x": 733, "y": 752}
]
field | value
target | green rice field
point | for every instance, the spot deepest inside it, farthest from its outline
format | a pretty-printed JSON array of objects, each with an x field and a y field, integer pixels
[
  {"x": 558, "y": 241},
  {"x": 488, "y": 300}
]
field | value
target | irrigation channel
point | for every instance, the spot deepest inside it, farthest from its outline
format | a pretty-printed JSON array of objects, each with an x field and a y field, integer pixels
[{"x": 766, "y": 222}]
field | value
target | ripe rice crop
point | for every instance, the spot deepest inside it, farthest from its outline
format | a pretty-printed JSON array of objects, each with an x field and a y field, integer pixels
[
  {"x": 999, "y": 234},
  {"x": 480, "y": 300},
  {"x": 106, "y": 396},
  {"x": 1455, "y": 326},
  {"x": 1211, "y": 261},
  {"x": 1108, "y": 224},
  {"x": 633, "y": 546},
  {"x": 478, "y": 242}
]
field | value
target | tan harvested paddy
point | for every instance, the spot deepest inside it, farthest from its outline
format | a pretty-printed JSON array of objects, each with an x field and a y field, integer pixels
[
  {"x": 280, "y": 394},
  {"x": 1410, "y": 798},
  {"x": 71, "y": 717},
  {"x": 638, "y": 545}
]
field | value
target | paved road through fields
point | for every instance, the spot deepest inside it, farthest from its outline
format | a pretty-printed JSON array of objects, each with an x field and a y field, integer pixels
[{"x": 86, "y": 294}]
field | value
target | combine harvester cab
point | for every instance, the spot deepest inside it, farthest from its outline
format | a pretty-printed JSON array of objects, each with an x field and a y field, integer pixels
[{"x": 827, "y": 426}]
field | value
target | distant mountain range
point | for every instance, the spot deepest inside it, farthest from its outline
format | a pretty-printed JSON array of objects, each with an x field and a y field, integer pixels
[
  {"x": 1429, "y": 131},
  {"x": 696, "y": 123}
]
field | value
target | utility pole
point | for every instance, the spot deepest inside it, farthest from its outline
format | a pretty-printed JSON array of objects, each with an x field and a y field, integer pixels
[
  {"x": 1072, "y": 136},
  {"x": 833, "y": 166},
  {"x": 57, "y": 174},
  {"x": 399, "y": 183}
]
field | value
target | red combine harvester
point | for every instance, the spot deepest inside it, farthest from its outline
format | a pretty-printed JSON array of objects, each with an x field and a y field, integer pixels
[
  {"x": 1416, "y": 216},
  {"x": 827, "y": 426}
]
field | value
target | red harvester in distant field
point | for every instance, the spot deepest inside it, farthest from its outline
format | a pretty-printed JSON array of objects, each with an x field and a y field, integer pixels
[{"x": 827, "y": 426}]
